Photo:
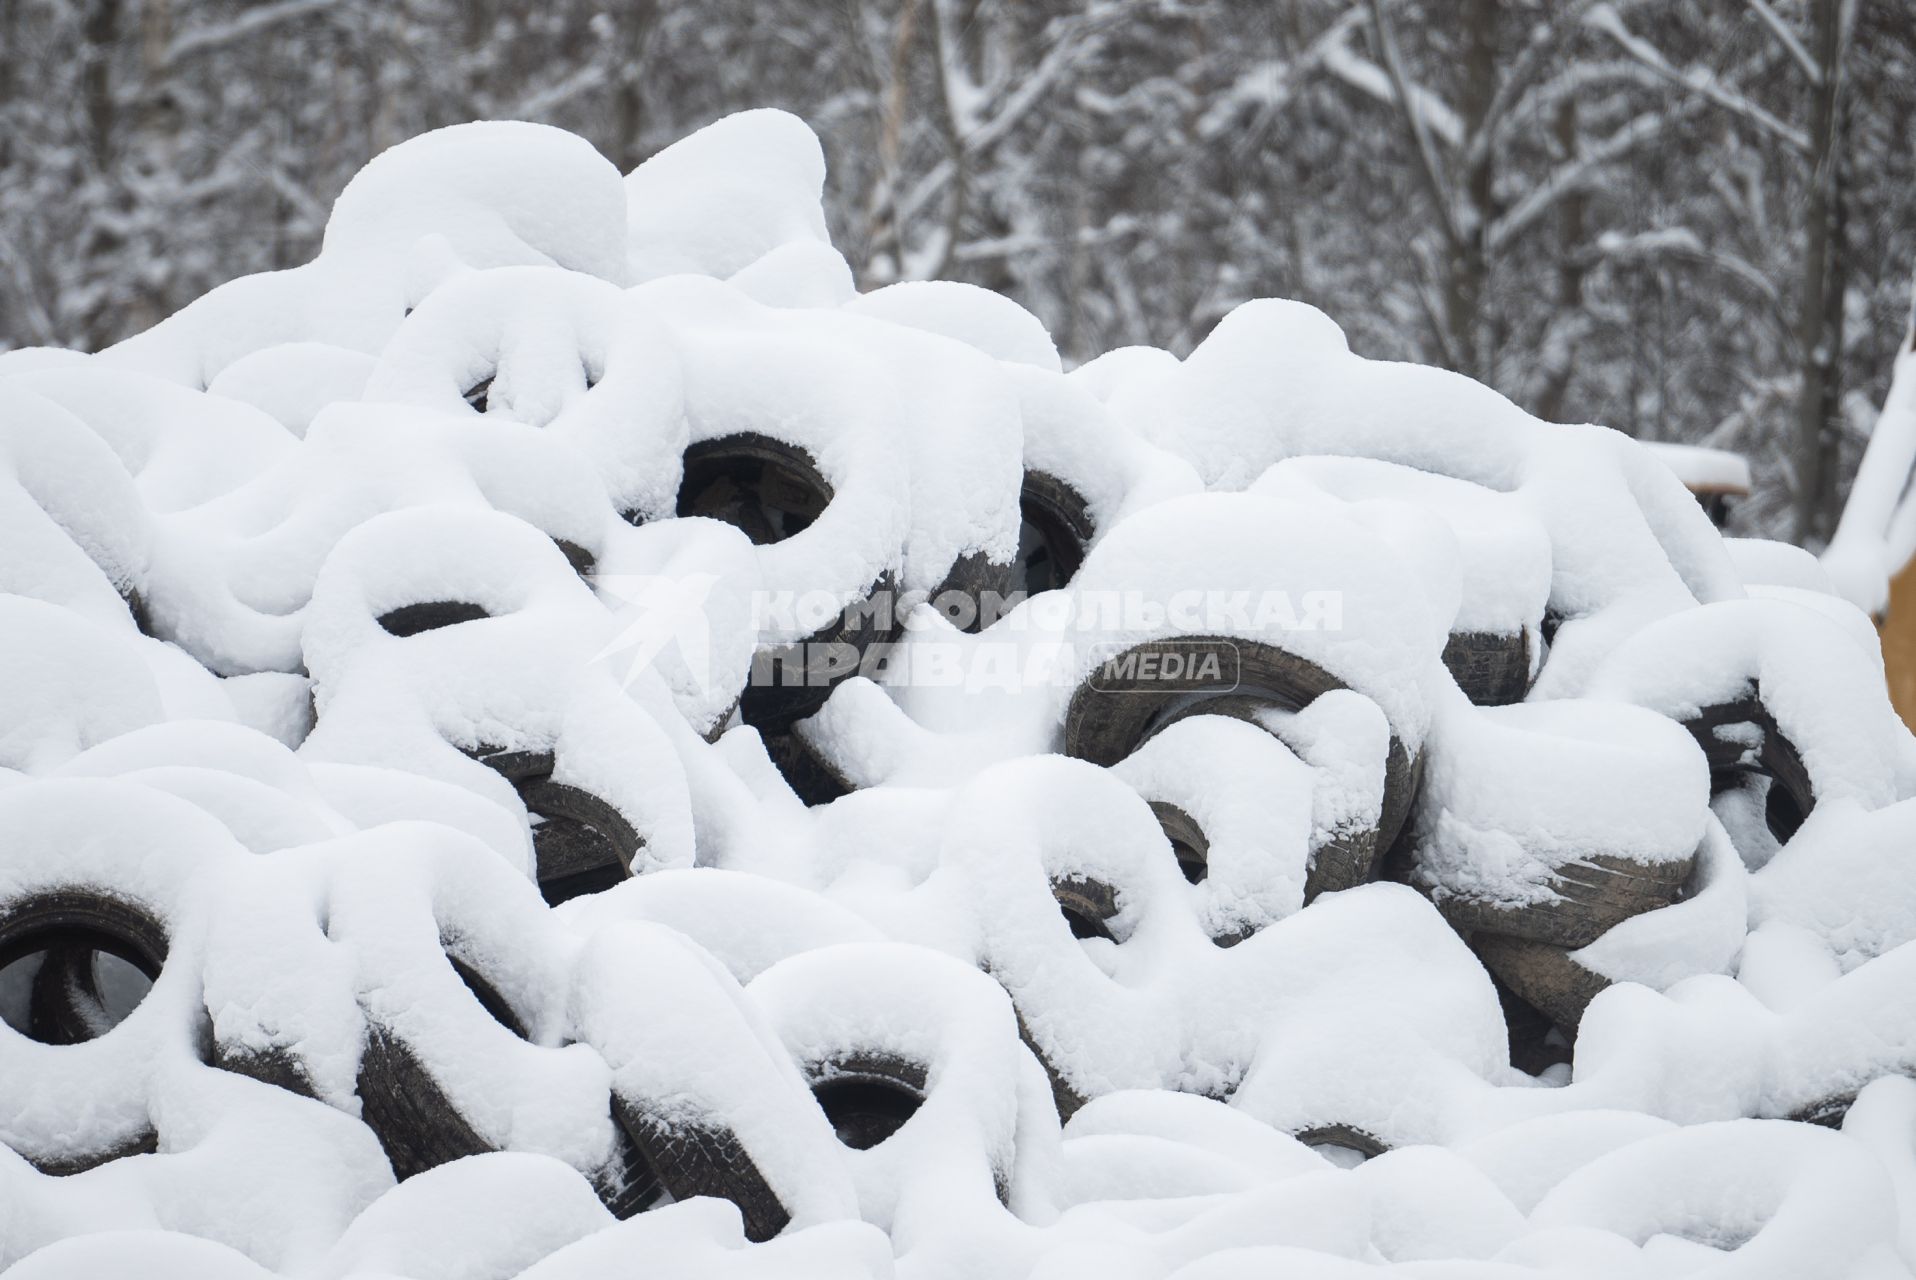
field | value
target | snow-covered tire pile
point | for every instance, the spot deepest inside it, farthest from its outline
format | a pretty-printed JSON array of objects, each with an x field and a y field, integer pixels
[{"x": 559, "y": 740}]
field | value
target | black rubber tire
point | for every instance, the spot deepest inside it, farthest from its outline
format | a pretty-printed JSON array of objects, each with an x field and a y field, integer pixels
[
  {"x": 1109, "y": 718},
  {"x": 403, "y": 1105},
  {"x": 1828, "y": 1112},
  {"x": 1493, "y": 670},
  {"x": 975, "y": 593},
  {"x": 687, "y": 1158},
  {"x": 1591, "y": 896},
  {"x": 1056, "y": 530},
  {"x": 809, "y": 774},
  {"x": 1536, "y": 1043},
  {"x": 1087, "y": 906},
  {"x": 70, "y": 925},
  {"x": 867, "y": 1097},
  {"x": 66, "y": 1004},
  {"x": 79, "y": 920},
  {"x": 1065, "y": 1097},
  {"x": 418, "y": 1126},
  {"x": 1343, "y": 1135},
  {"x": 274, "y": 1066},
  {"x": 1188, "y": 842},
  {"x": 1792, "y": 794},
  {"x": 479, "y": 395},
  {"x": 1542, "y": 976},
  {"x": 784, "y": 689},
  {"x": 771, "y": 490},
  {"x": 583, "y": 845},
  {"x": 766, "y": 488},
  {"x": 145, "y": 1144},
  {"x": 577, "y": 556},
  {"x": 429, "y": 615}
]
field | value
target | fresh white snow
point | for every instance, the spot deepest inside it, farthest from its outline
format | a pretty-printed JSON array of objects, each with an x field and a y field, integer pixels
[{"x": 478, "y": 396}]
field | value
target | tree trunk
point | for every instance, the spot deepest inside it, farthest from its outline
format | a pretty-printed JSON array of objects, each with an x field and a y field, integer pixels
[
  {"x": 100, "y": 30},
  {"x": 1820, "y": 304},
  {"x": 1470, "y": 267},
  {"x": 1572, "y": 220}
]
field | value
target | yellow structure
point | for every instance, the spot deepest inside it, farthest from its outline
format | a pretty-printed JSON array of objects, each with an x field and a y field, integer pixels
[{"x": 1898, "y": 632}]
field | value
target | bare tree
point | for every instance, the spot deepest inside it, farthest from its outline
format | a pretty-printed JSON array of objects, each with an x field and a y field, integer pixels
[{"x": 1683, "y": 219}]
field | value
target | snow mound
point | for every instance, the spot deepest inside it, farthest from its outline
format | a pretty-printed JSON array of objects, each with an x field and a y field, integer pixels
[{"x": 560, "y": 740}]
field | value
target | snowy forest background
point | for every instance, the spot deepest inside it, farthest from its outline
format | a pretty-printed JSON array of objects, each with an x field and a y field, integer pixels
[{"x": 1692, "y": 220}]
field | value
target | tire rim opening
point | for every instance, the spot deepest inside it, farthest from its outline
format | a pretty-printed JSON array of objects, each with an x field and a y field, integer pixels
[
  {"x": 768, "y": 490},
  {"x": 479, "y": 395},
  {"x": 866, "y": 1110},
  {"x": 1087, "y": 907},
  {"x": 1053, "y": 532},
  {"x": 429, "y": 615},
  {"x": 1187, "y": 840},
  {"x": 68, "y": 983},
  {"x": 580, "y": 843}
]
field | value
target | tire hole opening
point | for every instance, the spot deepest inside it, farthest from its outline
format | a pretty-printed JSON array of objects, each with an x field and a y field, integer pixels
[
  {"x": 71, "y": 983},
  {"x": 768, "y": 490},
  {"x": 1782, "y": 812},
  {"x": 1187, "y": 839},
  {"x": 1087, "y": 907},
  {"x": 479, "y": 395},
  {"x": 580, "y": 843},
  {"x": 1345, "y": 1146},
  {"x": 866, "y": 1110},
  {"x": 1054, "y": 529},
  {"x": 429, "y": 615}
]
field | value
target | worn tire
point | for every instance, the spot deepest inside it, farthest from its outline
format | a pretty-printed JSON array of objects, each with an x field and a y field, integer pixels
[
  {"x": 805, "y": 769},
  {"x": 1791, "y": 795},
  {"x": 420, "y": 1128},
  {"x": 69, "y": 924},
  {"x": 770, "y": 491},
  {"x": 1543, "y": 976},
  {"x": 583, "y": 845},
  {"x": 1103, "y": 724},
  {"x": 689, "y": 1158},
  {"x": 1055, "y": 532},
  {"x": 1493, "y": 670},
  {"x": 1349, "y": 1137},
  {"x": 1591, "y": 897},
  {"x": 867, "y": 1097}
]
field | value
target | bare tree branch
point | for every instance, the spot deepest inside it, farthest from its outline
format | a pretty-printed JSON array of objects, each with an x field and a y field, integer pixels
[
  {"x": 1078, "y": 37},
  {"x": 1429, "y": 167},
  {"x": 249, "y": 23},
  {"x": 1573, "y": 174},
  {"x": 1787, "y": 38},
  {"x": 1697, "y": 80}
]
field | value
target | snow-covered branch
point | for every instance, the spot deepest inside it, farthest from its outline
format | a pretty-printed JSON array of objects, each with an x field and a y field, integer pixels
[
  {"x": 1524, "y": 69},
  {"x": 1681, "y": 242},
  {"x": 549, "y": 98},
  {"x": 249, "y": 23},
  {"x": 1575, "y": 174},
  {"x": 1698, "y": 80},
  {"x": 1417, "y": 119},
  {"x": 1365, "y": 76},
  {"x": 1076, "y": 38},
  {"x": 1876, "y": 536},
  {"x": 1270, "y": 84},
  {"x": 1787, "y": 38}
]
